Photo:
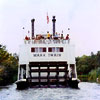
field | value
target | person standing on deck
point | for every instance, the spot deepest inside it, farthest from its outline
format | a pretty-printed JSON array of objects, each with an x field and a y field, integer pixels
[
  {"x": 67, "y": 37},
  {"x": 48, "y": 35}
]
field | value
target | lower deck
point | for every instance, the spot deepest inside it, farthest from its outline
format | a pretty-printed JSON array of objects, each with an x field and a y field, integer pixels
[{"x": 45, "y": 74}]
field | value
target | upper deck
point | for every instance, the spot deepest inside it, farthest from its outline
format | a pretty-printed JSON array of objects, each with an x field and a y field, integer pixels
[{"x": 46, "y": 48}]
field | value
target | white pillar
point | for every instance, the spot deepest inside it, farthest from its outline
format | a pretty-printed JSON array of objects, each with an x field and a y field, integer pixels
[
  {"x": 69, "y": 70},
  {"x": 18, "y": 72},
  {"x": 27, "y": 70},
  {"x": 21, "y": 73},
  {"x": 75, "y": 71}
]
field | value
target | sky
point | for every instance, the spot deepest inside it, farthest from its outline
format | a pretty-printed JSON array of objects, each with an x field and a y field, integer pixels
[{"x": 81, "y": 16}]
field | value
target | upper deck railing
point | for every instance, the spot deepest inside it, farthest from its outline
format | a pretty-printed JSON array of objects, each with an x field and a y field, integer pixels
[{"x": 47, "y": 41}]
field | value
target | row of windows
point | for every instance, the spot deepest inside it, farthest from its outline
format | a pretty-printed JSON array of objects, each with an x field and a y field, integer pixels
[
  {"x": 36, "y": 49},
  {"x": 50, "y": 49}
]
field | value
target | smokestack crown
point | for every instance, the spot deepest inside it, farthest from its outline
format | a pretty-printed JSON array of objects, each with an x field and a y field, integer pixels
[
  {"x": 53, "y": 19},
  {"x": 32, "y": 20}
]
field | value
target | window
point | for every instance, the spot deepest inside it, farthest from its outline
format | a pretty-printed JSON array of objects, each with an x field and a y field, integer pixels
[
  {"x": 49, "y": 49},
  {"x": 44, "y": 49},
  {"x": 40, "y": 49},
  {"x": 32, "y": 49},
  {"x": 53, "y": 49},
  {"x": 61, "y": 49},
  {"x": 57, "y": 49},
  {"x": 36, "y": 49}
]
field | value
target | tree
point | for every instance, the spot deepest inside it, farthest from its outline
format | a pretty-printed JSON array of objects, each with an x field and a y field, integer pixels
[{"x": 8, "y": 66}]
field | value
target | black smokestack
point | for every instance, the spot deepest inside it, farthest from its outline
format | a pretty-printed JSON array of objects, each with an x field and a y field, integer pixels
[
  {"x": 53, "y": 20},
  {"x": 32, "y": 21}
]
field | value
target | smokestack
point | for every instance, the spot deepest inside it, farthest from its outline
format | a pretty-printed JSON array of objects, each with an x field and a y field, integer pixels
[
  {"x": 53, "y": 20},
  {"x": 32, "y": 21}
]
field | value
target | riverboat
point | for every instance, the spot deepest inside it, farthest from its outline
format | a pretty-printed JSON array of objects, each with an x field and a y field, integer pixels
[{"x": 47, "y": 60}]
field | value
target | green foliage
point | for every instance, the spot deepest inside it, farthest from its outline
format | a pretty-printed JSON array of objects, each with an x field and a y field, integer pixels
[
  {"x": 8, "y": 66},
  {"x": 92, "y": 75},
  {"x": 82, "y": 64},
  {"x": 98, "y": 71},
  {"x": 89, "y": 65},
  {"x": 99, "y": 79},
  {"x": 83, "y": 78}
]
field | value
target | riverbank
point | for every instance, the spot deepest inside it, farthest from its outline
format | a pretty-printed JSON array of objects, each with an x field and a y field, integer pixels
[{"x": 88, "y": 78}]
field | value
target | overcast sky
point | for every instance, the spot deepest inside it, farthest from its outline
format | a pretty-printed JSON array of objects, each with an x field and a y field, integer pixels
[{"x": 82, "y": 16}]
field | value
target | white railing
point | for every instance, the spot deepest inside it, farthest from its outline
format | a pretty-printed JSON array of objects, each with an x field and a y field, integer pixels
[{"x": 47, "y": 41}]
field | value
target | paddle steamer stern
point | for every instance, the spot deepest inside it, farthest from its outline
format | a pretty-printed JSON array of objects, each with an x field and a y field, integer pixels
[{"x": 45, "y": 62}]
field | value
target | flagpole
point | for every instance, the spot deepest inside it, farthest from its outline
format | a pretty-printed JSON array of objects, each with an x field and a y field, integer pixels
[
  {"x": 68, "y": 30},
  {"x": 23, "y": 32},
  {"x": 47, "y": 22}
]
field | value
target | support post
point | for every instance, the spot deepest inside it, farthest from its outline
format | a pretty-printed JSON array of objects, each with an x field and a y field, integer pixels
[
  {"x": 48, "y": 77},
  {"x": 19, "y": 72},
  {"x": 57, "y": 74},
  {"x": 39, "y": 77},
  {"x": 27, "y": 71}
]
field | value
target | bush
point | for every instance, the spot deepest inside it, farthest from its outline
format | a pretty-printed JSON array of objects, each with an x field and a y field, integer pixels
[
  {"x": 92, "y": 76},
  {"x": 83, "y": 78}
]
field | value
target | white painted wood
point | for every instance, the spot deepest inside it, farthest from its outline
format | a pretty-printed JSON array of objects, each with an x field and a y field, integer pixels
[{"x": 26, "y": 56}]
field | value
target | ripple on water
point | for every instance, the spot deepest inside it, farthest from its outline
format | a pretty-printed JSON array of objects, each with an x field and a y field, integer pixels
[{"x": 87, "y": 91}]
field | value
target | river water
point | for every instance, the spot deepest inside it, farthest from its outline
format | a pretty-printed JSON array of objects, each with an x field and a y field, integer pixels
[{"x": 87, "y": 91}]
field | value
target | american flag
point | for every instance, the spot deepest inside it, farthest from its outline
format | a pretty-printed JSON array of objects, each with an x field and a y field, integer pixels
[{"x": 47, "y": 19}]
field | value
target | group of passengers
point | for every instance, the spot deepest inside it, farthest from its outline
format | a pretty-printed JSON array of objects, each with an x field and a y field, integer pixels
[
  {"x": 49, "y": 36},
  {"x": 57, "y": 36}
]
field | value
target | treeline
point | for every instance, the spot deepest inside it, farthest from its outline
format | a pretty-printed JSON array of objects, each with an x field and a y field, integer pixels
[
  {"x": 8, "y": 66},
  {"x": 88, "y": 67}
]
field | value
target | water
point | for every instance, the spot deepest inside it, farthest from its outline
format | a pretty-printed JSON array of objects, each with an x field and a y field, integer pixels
[{"x": 87, "y": 91}]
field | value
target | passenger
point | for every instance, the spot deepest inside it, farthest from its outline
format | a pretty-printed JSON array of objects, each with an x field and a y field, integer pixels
[
  {"x": 40, "y": 36},
  {"x": 67, "y": 37},
  {"x": 62, "y": 37},
  {"x": 56, "y": 36},
  {"x": 27, "y": 38},
  {"x": 33, "y": 38},
  {"x": 48, "y": 35},
  {"x": 36, "y": 37}
]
